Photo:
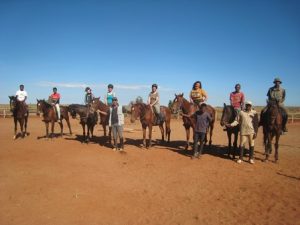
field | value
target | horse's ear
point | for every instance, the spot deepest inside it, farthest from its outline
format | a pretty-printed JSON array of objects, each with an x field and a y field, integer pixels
[
  {"x": 224, "y": 105},
  {"x": 182, "y": 94},
  {"x": 175, "y": 95}
]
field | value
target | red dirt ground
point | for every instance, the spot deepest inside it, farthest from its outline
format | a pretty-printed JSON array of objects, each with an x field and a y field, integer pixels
[{"x": 62, "y": 181}]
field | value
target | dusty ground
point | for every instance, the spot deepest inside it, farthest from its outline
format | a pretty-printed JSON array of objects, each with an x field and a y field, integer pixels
[{"x": 63, "y": 181}]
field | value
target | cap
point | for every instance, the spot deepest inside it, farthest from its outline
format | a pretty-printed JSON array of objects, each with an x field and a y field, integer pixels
[
  {"x": 87, "y": 88},
  {"x": 115, "y": 99},
  {"x": 110, "y": 86},
  {"x": 248, "y": 103},
  {"x": 277, "y": 79}
]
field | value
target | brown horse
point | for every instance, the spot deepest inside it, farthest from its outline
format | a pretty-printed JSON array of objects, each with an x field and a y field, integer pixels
[
  {"x": 97, "y": 104},
  {"x": 148, "y": 119},
  {"x": 88, "y": 118},
  {"x": 20, "y": 114},
  {"x": 272, "y": 127},
  {"x": 228, "y": 116},
  {"x": 180, "y": 103},
  {"x": 49, "y": 116}
]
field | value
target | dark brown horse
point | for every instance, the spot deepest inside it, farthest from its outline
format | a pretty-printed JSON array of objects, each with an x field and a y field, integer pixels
[
  {"x": 20, "y": 114},
  {"x": 50, "y": 116},
  {"x": 272, "y": 127},
  {"x": 228, "y": 116},
  {"x": 180, "y": 103},
  {"x": 88, "y": 118},
  {"x": 148, "y": 119},
  {"x": 97, "y": 104}
]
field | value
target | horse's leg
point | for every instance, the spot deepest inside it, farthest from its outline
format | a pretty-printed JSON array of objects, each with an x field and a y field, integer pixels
[
  {"x": 47, "y": 129},
  {"x": 162, "y": 132},
  {"x": 109, "y": 135},
  {"x": 276, "y": 147},
  {"x": 83, "y": 131},
  {"x": 26, "y": 120},
  {"x": 61, "y": 128},
  {"x": 52, "y": 129},
  {"x": 144, "y": 136},
  {"x": 21, "y": 121},
  {"x": 236, "y": 134},
  {"x": 229, "y": 141},
  {"x": 88, "y": 126},
  {"x": 268, "y": 147},
  {"x": 187, "y": 130},
  {"x": 69, "y": 125},
  {"x": 168, "y": 131},
  {"x": 16, "y": 124},
  {"x": 211, "y": 133},
  {"x": 150, "y": 135}
]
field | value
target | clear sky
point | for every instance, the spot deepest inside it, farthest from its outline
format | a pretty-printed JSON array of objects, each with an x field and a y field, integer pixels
[{"x": 134, "y": 43}]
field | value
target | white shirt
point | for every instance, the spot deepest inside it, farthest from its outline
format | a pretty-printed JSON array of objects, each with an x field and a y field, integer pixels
[{"x": 21, "y": 95}]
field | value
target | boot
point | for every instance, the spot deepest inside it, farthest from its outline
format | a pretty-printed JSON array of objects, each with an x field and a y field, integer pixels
[
  {"x": 122, "y": 144},
  {"x": 251, "y": 155},
  {"x": 157, "y": 119},
  {"x": 201, "y": 148},
  {"x": 196, "y": 151},
  {"x": 115, "y": 146},
  {"x": 241, "y": 154}
]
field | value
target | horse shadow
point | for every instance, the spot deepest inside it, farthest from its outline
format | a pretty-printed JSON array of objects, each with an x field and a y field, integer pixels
[
  {"x": 54, "y": 135},
  {"x": 101, "y": 140},
  {"x": 220, "y": 151}
]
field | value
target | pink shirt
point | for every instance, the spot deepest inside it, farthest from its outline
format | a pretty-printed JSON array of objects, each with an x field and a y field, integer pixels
[{"x": 237, "y": 99}]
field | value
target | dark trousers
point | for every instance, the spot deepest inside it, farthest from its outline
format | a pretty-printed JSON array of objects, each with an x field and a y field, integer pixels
[{"x": 198, "y": 136}]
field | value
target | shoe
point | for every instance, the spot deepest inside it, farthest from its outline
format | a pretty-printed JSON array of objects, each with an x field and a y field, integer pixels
[
  {"x": 251, "y": 161},
  {"x": 115, "y": 149},
  {"x": 121, "y": 149},
  {"x": 239, "y": 161}
]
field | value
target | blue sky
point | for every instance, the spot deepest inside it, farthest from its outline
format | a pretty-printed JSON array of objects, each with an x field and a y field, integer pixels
[{"x": 132, "y": 44}]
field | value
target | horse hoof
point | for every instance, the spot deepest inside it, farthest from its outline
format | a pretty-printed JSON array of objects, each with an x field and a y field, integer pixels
[{"x": 15, "y": 137}]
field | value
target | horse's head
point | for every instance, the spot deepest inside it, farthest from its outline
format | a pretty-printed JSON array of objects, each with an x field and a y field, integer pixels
[
  {"x": 135, "y": 111},
  {"x": 177, "y": 103},
  {"x": 12, "y": 102},
  {"x": 228, "y": 115}
]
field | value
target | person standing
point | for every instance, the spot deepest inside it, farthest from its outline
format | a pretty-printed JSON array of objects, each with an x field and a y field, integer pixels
[
  {"x": 116, "y": 122},
  {"x": 248, "y": 121},
  {"x": 203, "y": 119}
]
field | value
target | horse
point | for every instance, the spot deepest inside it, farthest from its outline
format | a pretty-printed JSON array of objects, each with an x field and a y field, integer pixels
[
  {"x": 88, "y": 118},
  {"x": 97, "y": 104},
  {"x": 148, "y": 119},
  {"x": 228, "y": 116},
  {"x": 272, "y": 127},
  {"x": 20, "y": 114},
  {"x": 49, "y": 116},
  {"x": 180, "y": 103}
]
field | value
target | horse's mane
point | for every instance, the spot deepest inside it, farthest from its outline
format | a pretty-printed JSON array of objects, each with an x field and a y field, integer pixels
[{"x": 46, "y": 103}]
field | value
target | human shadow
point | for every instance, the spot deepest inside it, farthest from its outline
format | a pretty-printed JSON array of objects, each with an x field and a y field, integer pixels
[
  {"x": 54, "y": 135},
  {"x": 101, "y": 140},
  {"x": 288, "y": 176}
]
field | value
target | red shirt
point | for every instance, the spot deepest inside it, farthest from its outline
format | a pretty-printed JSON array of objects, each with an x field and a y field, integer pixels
[
  {"x": 237, "y": 99},
  {"x": 55, "y": 96}
]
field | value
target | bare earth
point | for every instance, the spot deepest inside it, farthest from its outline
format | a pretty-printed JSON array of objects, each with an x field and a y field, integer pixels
[{"x": 63, "y": 181}]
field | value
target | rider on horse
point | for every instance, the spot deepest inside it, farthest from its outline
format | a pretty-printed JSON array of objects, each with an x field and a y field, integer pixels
[
  {"x": 237, "y": 99},
  {"x": 197, "y": 94},
  {"x": 88, "y": 99},
  {"x": 21, "y": 96},
  {"x": 108, "y": 100},
  {"x": 54, "y": 101},
  {"x": 276, "y": 94},
  {"x": 153, "y": 101}
]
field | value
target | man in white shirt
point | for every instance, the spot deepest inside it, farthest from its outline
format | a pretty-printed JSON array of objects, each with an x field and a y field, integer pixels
[{"x": 21, "y": 94}]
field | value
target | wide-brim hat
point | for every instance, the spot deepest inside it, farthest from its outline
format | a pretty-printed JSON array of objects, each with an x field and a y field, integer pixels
[
  {"x": 248, "y": 103},
  {"x": 277, "y": 79}
]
